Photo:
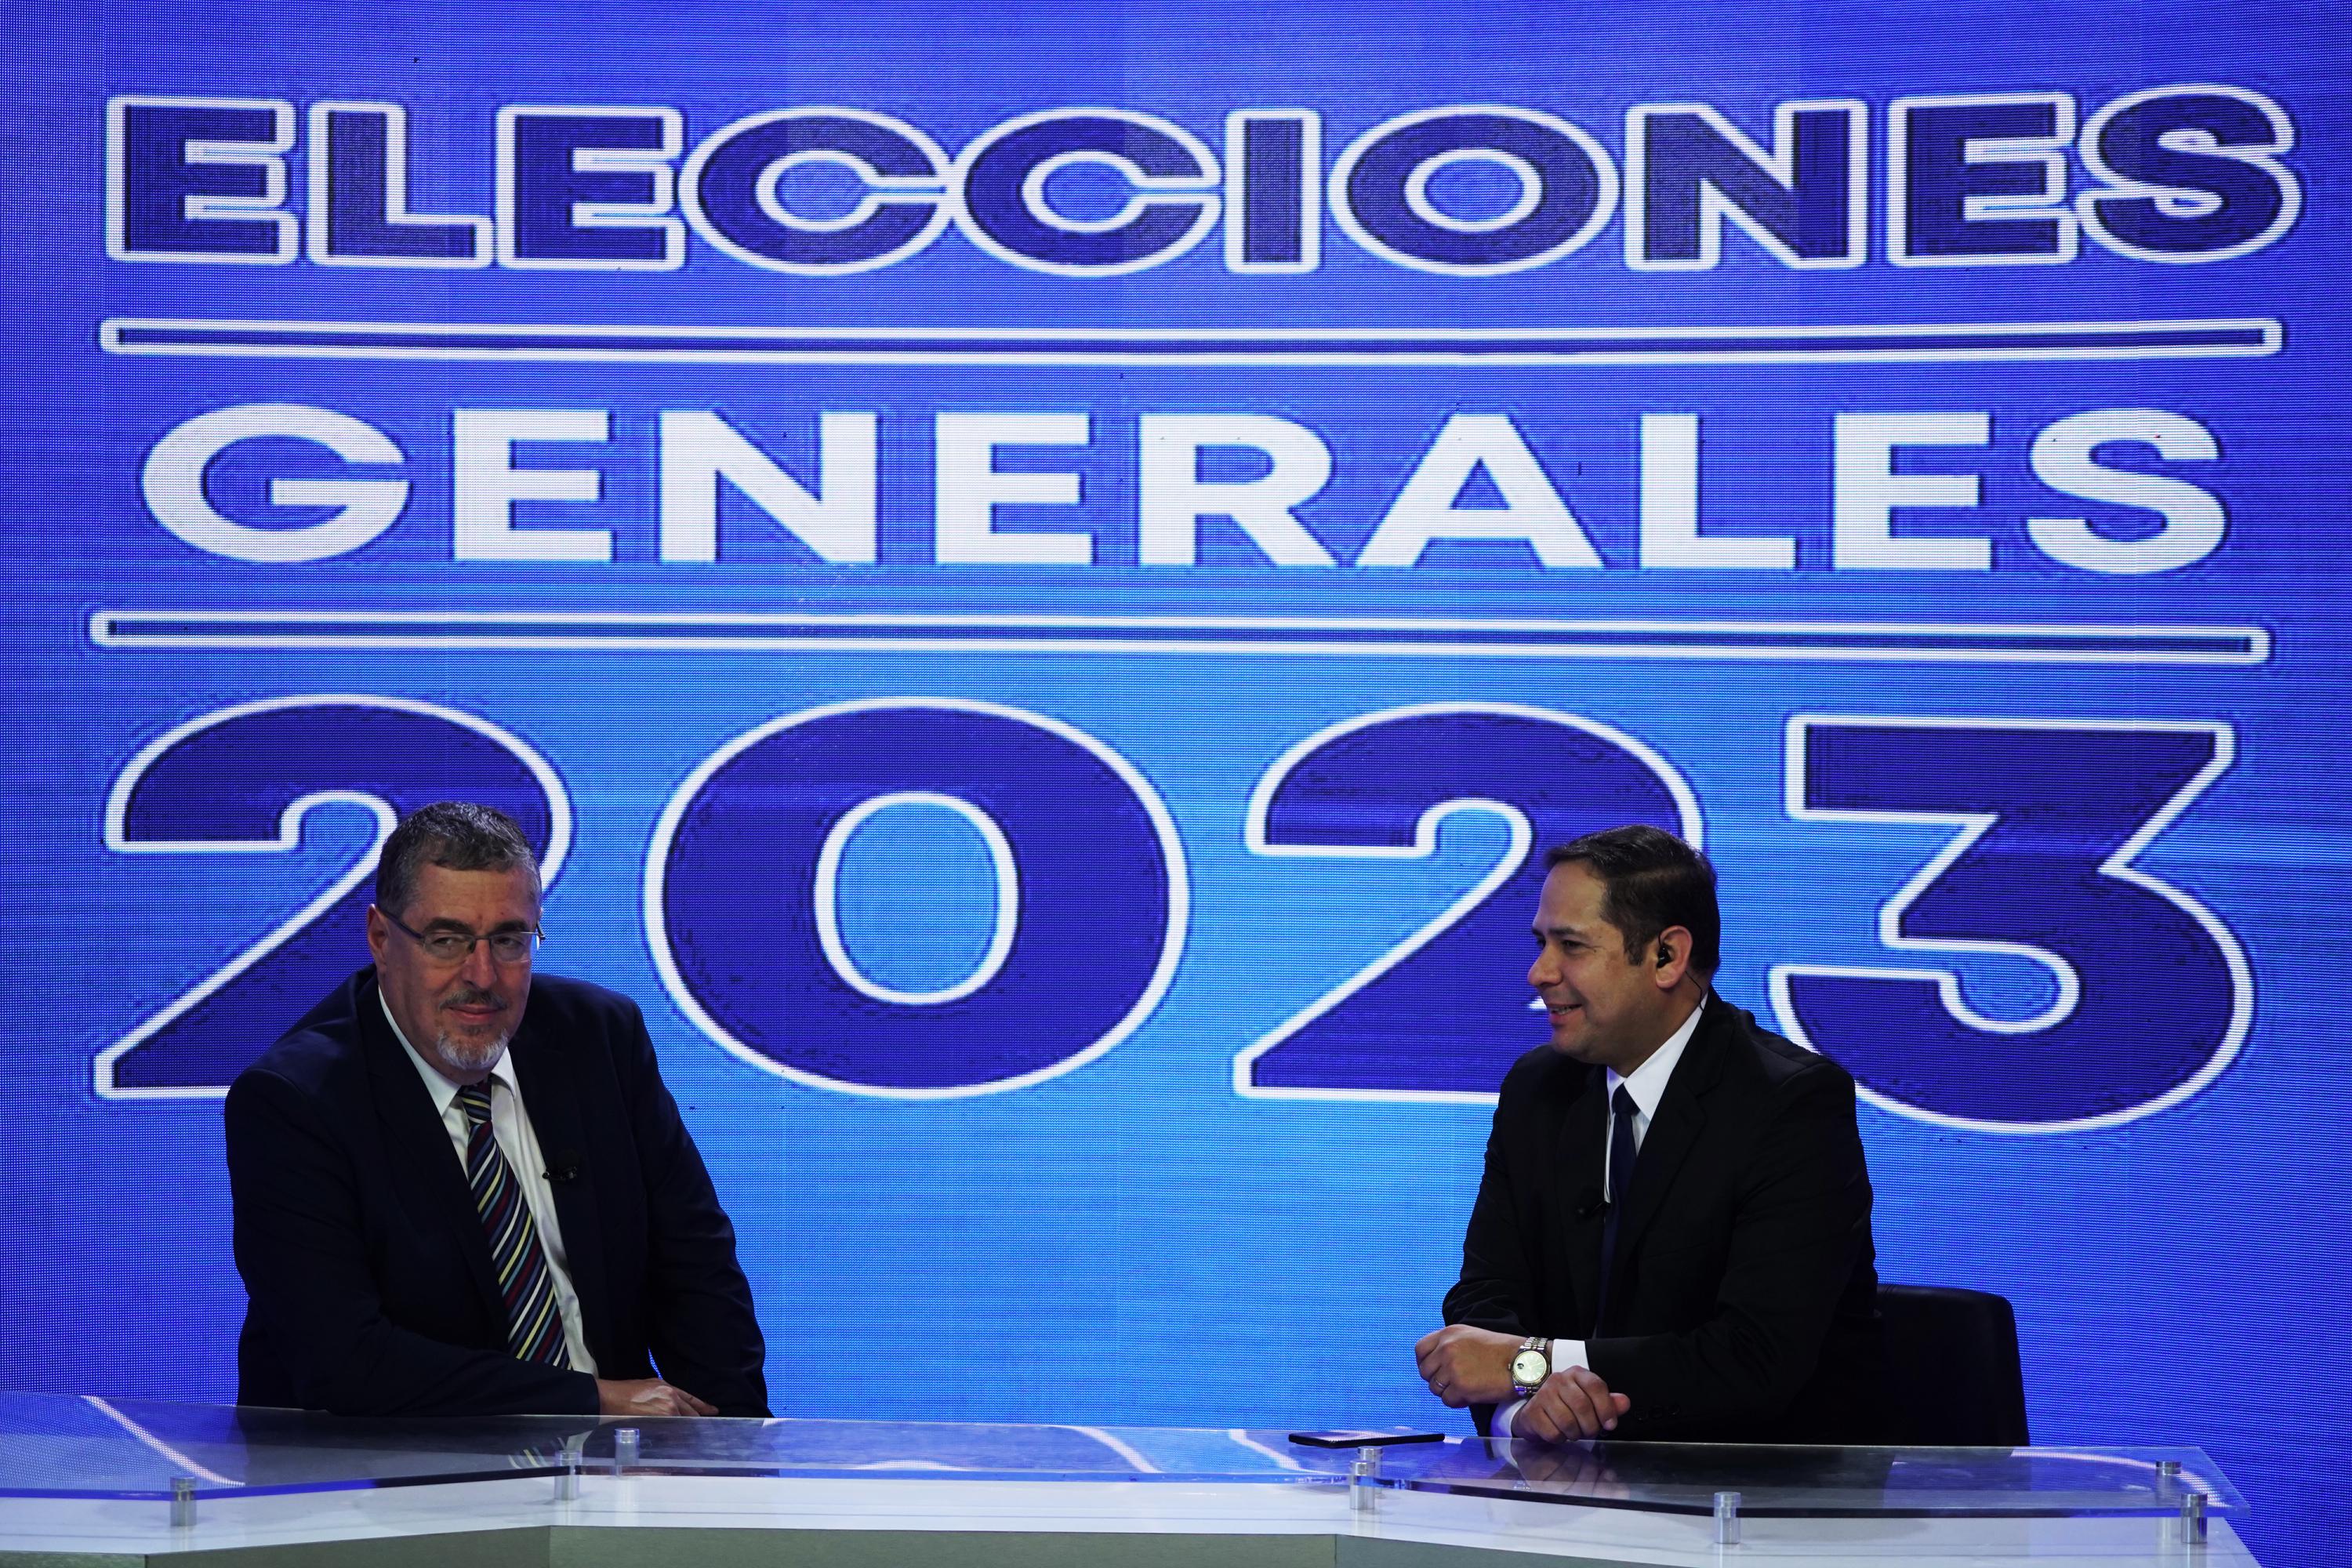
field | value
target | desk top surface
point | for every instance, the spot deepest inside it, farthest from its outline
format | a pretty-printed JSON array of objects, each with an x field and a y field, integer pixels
[{"x": 58, "y": 1446}]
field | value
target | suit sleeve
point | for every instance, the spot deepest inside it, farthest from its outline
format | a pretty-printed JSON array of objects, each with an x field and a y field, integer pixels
[
  {"x": 1495, "y": 1287},
  {"x": 705, "y": 1335},
  {"x": 1801, "y": 1222},
  {"x": 300, "y": 1245}
]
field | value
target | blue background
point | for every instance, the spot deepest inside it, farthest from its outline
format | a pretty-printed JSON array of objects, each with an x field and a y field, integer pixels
[{"x": 1256, "y": 1261}]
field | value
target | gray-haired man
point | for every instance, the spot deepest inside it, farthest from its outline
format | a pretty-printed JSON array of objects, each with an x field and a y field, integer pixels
[{"x": 462, "y": 1190}]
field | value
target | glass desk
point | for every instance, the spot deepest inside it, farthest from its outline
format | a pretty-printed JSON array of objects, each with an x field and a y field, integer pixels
[{"x": 209, "y": 1462}]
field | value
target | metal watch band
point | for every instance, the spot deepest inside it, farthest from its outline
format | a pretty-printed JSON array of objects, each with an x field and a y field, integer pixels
[{"x": 1541, "y": 1346}]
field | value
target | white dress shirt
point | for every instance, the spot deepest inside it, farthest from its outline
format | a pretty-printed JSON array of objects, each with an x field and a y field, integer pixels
[
  {"x": 510, "y": 1125},
  {"x": 1647, "y": 1085}
]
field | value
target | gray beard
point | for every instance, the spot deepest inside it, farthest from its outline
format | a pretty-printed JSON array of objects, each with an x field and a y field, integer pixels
[{"x": 482, "y": 1059}]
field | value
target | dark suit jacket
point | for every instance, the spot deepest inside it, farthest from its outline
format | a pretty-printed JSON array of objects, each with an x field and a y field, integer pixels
[
  {"x": 1742, "y": 1299},
  {"x": 368, "y": 1276}
]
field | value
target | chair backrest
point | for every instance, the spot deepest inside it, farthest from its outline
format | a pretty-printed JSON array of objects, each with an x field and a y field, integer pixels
[{"x": 1953, "y": 1379}]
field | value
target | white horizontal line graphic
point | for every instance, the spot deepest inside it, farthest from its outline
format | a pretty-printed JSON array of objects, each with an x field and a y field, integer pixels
[
  {"x": 1807, "y": 343},
  {"x": 1303, "y": 635}
]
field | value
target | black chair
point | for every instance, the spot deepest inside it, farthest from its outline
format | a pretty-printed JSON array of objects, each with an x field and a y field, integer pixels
[{"x": 1952, "y": 1378}]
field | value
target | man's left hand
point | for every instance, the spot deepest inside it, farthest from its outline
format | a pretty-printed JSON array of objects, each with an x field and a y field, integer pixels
[
  {"x": 1464, "y": 1366},
  {"x": 647, "y": 1397},
  {"x": 1572, "y": 1404}
]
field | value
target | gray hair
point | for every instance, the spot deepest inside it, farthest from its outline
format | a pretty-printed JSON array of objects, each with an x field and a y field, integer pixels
[{"x": 456, "y": 835}]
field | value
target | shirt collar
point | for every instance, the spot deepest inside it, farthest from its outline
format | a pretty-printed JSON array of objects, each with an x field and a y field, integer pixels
[
  {"x": 444, "y": 1092},
  {"x": 1647, "y": 1083}
]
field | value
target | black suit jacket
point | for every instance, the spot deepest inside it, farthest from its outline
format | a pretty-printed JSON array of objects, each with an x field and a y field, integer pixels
[
  {"x": 367, "y": 1274},
  {"x": 1742, "y": 1298}
]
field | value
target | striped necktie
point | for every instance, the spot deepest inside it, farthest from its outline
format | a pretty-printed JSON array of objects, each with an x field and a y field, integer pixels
[{"x": 534, "y": 1326}]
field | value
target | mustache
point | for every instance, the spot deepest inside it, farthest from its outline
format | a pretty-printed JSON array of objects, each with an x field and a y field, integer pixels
[{"x": 469, "y": 996}]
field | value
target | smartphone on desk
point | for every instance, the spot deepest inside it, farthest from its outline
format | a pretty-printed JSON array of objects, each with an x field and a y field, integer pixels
[{"x": 1364, "y": 1438}]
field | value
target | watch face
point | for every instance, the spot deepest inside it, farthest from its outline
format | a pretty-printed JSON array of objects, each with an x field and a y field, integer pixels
[{"x": 1530, "y": 1368}]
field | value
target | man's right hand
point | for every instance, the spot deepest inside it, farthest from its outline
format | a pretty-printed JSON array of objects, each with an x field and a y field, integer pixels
[
  {"x": 647, "y": 1397},
  {"x": 1464, "y": 1366},
  {"x": 1573, "y": 1403}
]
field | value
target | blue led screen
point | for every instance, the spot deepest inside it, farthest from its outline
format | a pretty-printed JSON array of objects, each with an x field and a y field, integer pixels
[{"x": 1040, "y": 577}]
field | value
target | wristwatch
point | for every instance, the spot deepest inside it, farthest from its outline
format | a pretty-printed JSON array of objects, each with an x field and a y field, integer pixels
[{"x": 1530, "y": 1367}]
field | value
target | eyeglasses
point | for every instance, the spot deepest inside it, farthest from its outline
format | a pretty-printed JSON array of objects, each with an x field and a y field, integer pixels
[{"x": 457, "y": 946}]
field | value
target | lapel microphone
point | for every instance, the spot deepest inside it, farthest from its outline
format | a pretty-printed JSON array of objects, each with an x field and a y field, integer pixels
[{"x": 566, "y": 1171}]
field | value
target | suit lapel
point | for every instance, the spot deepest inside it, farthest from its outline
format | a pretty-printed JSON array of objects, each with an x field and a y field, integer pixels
[
  {"x": 419, "y": 1142},
  {"x": 1674, "y": 1132},
  {"x": 552, "y": 1098},
  {"x": 1583, "y": 1134}
]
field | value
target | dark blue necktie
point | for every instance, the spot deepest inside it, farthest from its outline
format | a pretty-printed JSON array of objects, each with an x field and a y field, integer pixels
[{"x": 1622, "y": 1153}]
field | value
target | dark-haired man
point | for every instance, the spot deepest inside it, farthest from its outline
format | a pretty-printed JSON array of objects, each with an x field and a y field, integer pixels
[
  {"x": 460, "y": 1190},
  {"x": 1672, "y": 1237}
]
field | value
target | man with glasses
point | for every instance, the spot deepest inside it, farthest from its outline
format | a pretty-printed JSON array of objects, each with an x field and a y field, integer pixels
[{"x": 460, "y": 1189}]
